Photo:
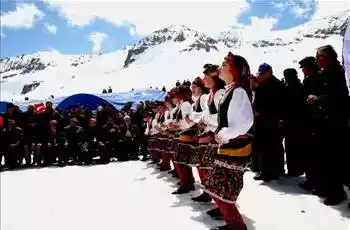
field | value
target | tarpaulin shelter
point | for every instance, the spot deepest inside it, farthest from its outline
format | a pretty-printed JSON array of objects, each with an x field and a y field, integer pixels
[
  {"x": 117, "y": 100},
  {"x": 3, "y": 106},
  {"x": 82, "y": 99}
]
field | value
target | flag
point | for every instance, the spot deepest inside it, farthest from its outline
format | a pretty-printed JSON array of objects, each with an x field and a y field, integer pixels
[{"x": 39, "y": 108}]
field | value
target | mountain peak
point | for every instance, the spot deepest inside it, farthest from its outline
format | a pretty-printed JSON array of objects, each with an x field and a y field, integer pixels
[{"x": 176, "y": 34}]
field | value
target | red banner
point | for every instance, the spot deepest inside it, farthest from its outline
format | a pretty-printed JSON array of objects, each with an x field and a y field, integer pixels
[{"x": 39, "y": 108}]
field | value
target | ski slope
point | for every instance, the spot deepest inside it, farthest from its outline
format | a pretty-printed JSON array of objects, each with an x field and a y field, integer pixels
[{"x": 134, "y": 195}]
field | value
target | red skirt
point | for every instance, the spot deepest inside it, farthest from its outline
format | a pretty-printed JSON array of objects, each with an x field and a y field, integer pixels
[
  {"x": 206, "y": 155},
  {"x": 185, "y": 152},
  {"x": 173, "y": 146},
  {"x": 225, "y": 181}
]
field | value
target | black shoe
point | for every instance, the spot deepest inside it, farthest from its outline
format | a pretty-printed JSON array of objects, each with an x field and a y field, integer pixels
[
  {"x": 203, "y": 198},
  {"x": 265, "y": 178},
  {"x": 231, "y": 227},
  {"x": 183, "y": 190},
  {"x": 334, "y": 200},
  {"x": 224, "y": 227},
  {"x": 164, "y": 168},
  {"x": 294, "y": 174},
  {"x": 306, "y": 185},
  {"x": 155, "y": 161},
  {"x": 174, "y": 174},
  {"x": 318, "y": 192},
  {"x": 215, "y": 214}
]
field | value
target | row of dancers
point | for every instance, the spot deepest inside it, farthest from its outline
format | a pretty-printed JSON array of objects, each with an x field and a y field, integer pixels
[{"x": 212, "y": 132}]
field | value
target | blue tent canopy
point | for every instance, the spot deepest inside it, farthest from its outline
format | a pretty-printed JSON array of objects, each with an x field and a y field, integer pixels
[
  {"x": 82, "y": 99},
  {"x": 3, "y": 106},
  {"x": 117, "y": 100}
]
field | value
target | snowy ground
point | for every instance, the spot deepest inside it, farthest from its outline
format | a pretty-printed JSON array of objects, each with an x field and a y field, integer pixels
[{"x": 133, "y": 195}]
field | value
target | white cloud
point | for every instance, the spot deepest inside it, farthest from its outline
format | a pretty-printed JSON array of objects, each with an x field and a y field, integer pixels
[
  {"x": 97, "y": 38},
  {"x": 279, "y": 5},
  {"x": 260, "y": 26},
  {"x": 132, "y": 31},
  {"x": 51, "y": 28},
  {"x": 329, "y": 7},
  {"x": 300, "y": 12},
  {"x": 209, "y": 17},
  {"x": 319, "y": 8},
  {"x": 24, "y": 17}
]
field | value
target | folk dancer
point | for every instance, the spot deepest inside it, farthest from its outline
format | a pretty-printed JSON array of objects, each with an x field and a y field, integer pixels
[{"x": 235, "y": 121}]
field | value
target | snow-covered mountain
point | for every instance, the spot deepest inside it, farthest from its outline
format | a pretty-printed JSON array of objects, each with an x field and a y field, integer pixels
[{"x": 167, "y": 55}]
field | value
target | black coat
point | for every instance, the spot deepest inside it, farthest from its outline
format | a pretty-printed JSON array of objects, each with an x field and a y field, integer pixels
[
  {"x": 334, "y": 97},
  {"x": 270, "y": 103}
]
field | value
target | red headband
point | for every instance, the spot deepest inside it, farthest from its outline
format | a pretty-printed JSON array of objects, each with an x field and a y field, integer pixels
[{"x": 229, "y": 58}]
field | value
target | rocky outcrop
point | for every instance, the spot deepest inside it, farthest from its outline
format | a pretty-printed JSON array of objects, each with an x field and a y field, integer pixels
[
  {"x": 178, "y": 34},
  {"x": 29, "y": 87}
]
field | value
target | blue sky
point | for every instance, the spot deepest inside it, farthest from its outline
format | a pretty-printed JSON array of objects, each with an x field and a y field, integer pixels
[{"x": 92, "y": 27}]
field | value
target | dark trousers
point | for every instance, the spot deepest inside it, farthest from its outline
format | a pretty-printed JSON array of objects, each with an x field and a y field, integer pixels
[
  {"x": 332, "y": 152},
  {"x": 13, "y": 156},
  {"x": 271, "y": 151},
  {"x": 143, "y": 145},
  {"x": 256, "y": 157},
  {"x": 50, "y": 154},
  {"x": 295, "y": 149}
]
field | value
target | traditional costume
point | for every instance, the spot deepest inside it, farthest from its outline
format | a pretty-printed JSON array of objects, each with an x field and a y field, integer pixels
[
  {"x": 235, "y": 120},
  {"x": 185, "y": 143},
  {"x": 204, "y": 157},
  {"x": 152, "y": 131}
]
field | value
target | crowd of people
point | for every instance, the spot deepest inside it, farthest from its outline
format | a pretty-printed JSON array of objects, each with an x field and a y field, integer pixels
[
  {"x": 248, "y": 121},
  {"x": 221, "y": 123},
  {"x": 76, "y": 136}
]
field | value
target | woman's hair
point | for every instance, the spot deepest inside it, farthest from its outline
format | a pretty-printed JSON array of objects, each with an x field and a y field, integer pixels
[
  {"x": 185, "y": 93},
  {"x": 199, "y": 82},
  {"x": 329, "y": 51},
  {"x": 243, "y": 78},
  {"x": 168, "y": 100},
  {"x": 210, "y": 68},
  {"x": 218, "y": 84}
]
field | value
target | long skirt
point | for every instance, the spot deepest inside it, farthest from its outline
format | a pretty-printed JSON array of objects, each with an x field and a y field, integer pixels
[
  {"x": 225, "y": 181},
  {"x": 153, "y": 148},
  {"x": 163, "y": 146},
  {"x": 173, "y": 147},
  {"x": 185, "y": 152}
]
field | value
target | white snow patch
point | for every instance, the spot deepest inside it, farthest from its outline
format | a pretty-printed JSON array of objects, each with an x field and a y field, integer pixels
[{"x": 132, "y": 195}]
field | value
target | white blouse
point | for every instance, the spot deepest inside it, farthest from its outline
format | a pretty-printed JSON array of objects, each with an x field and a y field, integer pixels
[
  {"x": 211, "y": 120},
  {"x": 186, "y": 110},
  {"x": 167, "y": 116},
  {"x": 155, "y": 125},
  {"x": 203, "y": 102},
  {"x": 240, "y": 115},
  {"x": 172, "y": 117}
]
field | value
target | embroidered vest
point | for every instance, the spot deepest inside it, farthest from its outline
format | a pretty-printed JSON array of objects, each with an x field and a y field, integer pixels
[
  {"x": 223, "y": 109},
  {"x": 197, "y": 106},
  {"x": 212, "y": 108}
]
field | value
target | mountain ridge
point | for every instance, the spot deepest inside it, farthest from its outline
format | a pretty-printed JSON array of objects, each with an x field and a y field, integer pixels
[{"x": 159, "y": 49}]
